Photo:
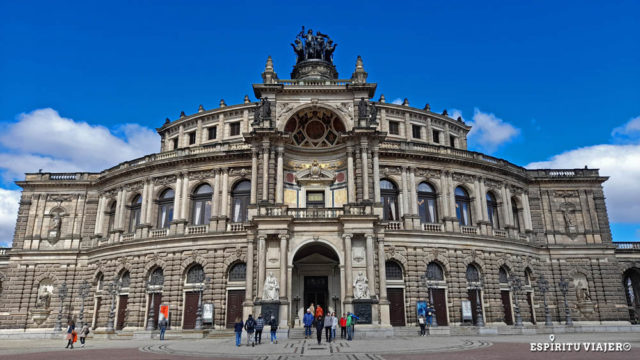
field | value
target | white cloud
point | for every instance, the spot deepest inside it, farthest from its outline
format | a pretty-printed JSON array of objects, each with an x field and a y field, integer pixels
[
  {"x": 489, "y": 131},
  {"x": 397, "y": 101},
  {"x": 9, "y": 200},
  {"x": 621, "y": 162},
  {"x": 42, "y": 139},
  {"x": 630, "y": 129},
  {"x": 455, "y": 113}
]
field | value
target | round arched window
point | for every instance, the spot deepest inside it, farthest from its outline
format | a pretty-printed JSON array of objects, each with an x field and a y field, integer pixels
[{"x": 314, "y": 128}]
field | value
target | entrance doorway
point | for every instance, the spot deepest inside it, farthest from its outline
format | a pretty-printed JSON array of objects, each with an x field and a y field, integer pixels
[
  {"x": 506, "y": 305},
  {"x": 440, "y": 306},
  {"x": 316, "y": 290},
  {"x": 396, "y": 306},
  {"x": 122, "y": 312},
  {"x": 190, "y": 310},
  {"x": 234, "y": 306}
]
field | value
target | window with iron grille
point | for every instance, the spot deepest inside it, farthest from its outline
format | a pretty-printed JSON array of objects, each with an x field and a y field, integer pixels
[
  {"x": 394, "y": 128},
  {"x": 213, "y": 132},
  {"x": 434, "y": 272},
  {"x": 238, "y": 272},
  {"x": 234, "y": 129},
  {"x": 393, "y": 270}
]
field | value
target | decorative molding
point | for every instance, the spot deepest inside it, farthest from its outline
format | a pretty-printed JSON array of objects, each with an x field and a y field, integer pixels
[
  {"x": 463, "y": 178},
  {"x": 165, "y": 180}
]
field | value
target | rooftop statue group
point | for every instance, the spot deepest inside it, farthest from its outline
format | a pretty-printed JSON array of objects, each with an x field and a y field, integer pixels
[{"x": 308, "y": 46}]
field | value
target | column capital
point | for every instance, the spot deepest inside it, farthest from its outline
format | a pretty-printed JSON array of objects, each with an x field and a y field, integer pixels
[
  {"x": 283, "y": 236},
  {"x": 347, "y": 236}
]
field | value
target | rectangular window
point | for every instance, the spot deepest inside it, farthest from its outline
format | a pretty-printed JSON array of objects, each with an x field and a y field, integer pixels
[
  {"x": 315, "y": 199},
  {"x": 175, "y": 143},
  {"x": 192, "y": 138},
  {"x": 234, "y": 129},
  {"x": 436, "y": 136},
  {"x": 452, "y": 141},
  {"x": 213, "y": 132},
  {"x": 394, "y": 128},
  {"x": 416, "y": 131}
]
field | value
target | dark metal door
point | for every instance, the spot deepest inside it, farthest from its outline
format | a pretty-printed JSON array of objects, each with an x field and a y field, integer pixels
[
  {"x": 506, "y": 305},
  {"x": 396, "y": 306},
  {"x": 474, "y": 304},
  {"x": 440, "y": 306},
  {"x": 316, "y": 290},
  {"x": 122, "y": 312},
  {"x": 190, "y": 310},
  {"x": 234, "y": 306}
]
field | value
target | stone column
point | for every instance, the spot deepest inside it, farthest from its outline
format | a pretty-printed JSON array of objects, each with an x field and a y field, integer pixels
[
  {"x": 283, "y": 265},
  {"x": 199, "y": 132},
  {"x": 261, "y": 263},
  {"x": 405, "y": 195},
  {"x": 146, "y": 198},
  {"x": 479, "y": 201},
  {"x": 444, "y": 191},
  {"x": 350, "y": 175},
  {"x": 429, "y": 131},
  {"x": 265, "y": 171},
  {"x": 446, "y": 136},
  {"x": 150, "y": 203},
  {"x": 279, "y": 175},
  {"x": 371, "y": 274},
  {"x": 122, "y": 209},
  {"x": 99, "y": 215},
  {"x": 526, "y": 211},
  {"x": 348, "y": 268},
  {"x": 385, "y": 319},
  {"x": 254, "y": 175},
  {"x": 412, "y": 189},
  {"x": 365, "y": 170},
  {"x": 215, "y": 201},
  {"x": 249, "y": 274},
  {"x": 181, "y": 136},
  {"x": 184, "y": 208},
  {"x": 506, "y": 201},
  {"x": 176, "y": 199},
  {"x": 376, "y": 175},
  {"x": 224, "y": 201},
  {"x": 407, "y": 127}
]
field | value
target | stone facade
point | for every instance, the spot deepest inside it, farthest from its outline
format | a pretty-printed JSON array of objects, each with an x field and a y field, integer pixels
[{"x": 316, "y": 211}]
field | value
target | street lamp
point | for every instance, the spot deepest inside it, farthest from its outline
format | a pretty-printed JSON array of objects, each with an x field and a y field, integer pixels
[
  {"x": 156, "y": 279},
  {"x": 564, "y": 288},
  {"x": 62, "y": 294},
  {"x": 477, "y": 287},
  {"x": 516, "y": 285},
  {"x": 543, "y": 285},
  {"x": 429, "y": 279},
  {"x": 84, "y": 292},
  {"x": 204, "y": 284},
  {"x": 114, "y": 288}
]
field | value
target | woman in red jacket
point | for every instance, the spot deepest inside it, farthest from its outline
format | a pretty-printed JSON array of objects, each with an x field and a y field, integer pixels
[
  {"x": 343, "y": 327},
  {"x": 319, "y": 311}
]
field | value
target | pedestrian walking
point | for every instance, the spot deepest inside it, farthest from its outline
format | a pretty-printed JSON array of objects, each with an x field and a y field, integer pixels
[
  {"x": 430, "y": 314},
  {"x": 259, "y": 327},
  {"x": 319, "y": 327},
  {"x": 250, "y": 327},
  {"x": 238, "y": 329},
  {"x": 308, "y": 323},
  {"x": 343, "y": 326},
  {"x": 423, "y": 324},
  {"x": 354, "y": 321},
  {"x": 319, "y": 311},
  {"x": 334, "y": 326},
  {"x": 83, "y": 334},
  {"x": 163, "y": 327},
  {"x": 274, "y": 329},
  {"x": 349, "y": 328},
  {"x": 71, "y": 333},
  {"x": 328, "y": 322}
]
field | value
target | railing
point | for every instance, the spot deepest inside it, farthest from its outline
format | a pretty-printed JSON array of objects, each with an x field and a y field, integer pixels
[
  {"x": 197, "y": 229},
  {"x": 628, "y": 245},
  {"x": 155, "y": 233},
  {"x": 500, "y": 233},
  {"x": 430, "y": 227},
  {"x": 4, "y": 251},
  {"x": 128, "y": 236},
  {"x": 470, "y": 230},
  {"x": 63, "y": 176},
  {"x": 357, "y": 210},
  {"x": 394, "y": 225},
  {"x": 289, "y": 82},
  {"x": 235, "y": 227},
  {"x": 315, "y": 213}
]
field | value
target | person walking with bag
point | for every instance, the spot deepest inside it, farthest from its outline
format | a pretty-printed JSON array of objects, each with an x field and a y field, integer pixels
[
  {"x": 250, "y": 326},
  {"x": 423, "y": 324},
  {"x": 328, "y": 322},
  {"x": 71, "y": 333},
  {"x": 259, "y": 327},
  {"x": 83, "y": 334},
  {"x": 238, "y": 326},
  {"x": 334, "y": 326},
  {"x": 274, "y": 329},
  {"x": 308, "y": 323},
  {"x": 343, "y": 326}
]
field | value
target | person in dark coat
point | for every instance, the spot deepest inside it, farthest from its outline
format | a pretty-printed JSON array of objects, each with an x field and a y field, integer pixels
[
  {"x": 308, "y": 323},
  {"x": 239, "y": 325},
  {"x": 274, "y": 328},
  {"x": 250, "y": 326},
  {"x": 319, "y": 327},
  {"x": 163, "y": 327},
  {"x": 259, "y": 328}
]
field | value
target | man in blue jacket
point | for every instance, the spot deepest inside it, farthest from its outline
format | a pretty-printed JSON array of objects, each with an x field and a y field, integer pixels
[{"x": 307, "y": 320}]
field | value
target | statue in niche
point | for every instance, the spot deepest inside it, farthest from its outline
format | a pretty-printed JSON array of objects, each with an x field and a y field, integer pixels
[
  {"x": 55, "y": 226},
  {"x": 361, "y": 287},
  {"x": 44, "y": 296},
  {"x": 271, "y": 289},
  {"x": 582, "y": 289}
]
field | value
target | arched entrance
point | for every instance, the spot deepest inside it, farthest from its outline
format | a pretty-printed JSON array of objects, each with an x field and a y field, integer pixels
[
  {"x": 316, "y": 278},
  {"x": 631, "y": 283}
]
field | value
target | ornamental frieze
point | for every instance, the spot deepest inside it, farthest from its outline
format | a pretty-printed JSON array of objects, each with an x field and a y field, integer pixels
[
  {"x": 134, "y": 186},
  {"x": 165, "y": 180},
  {"x": 242, "y": 172},
  {"x": 463, "y": 178},
  {"x": 391, "y": 171},
  {"x": 516, "y": 190},
  {"x": 566, "y": 193},
  {"x": 492, "y": 184},
  {"x": 428, "y": 173},
  {"x": 60, "y": 198},
  {"x": 201, "y": 175}
]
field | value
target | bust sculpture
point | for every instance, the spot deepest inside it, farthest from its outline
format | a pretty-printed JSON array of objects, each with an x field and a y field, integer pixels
[{"x": 271, "y": 289}]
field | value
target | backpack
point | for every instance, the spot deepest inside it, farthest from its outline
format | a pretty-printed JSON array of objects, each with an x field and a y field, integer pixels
[
  {"x": 87, "y": 331},
  {"x": 250, "y": 325}
]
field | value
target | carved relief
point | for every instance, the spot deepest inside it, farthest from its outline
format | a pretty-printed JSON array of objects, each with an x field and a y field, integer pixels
[
  {"x": 345, "y": 108},
  {"x": 463, "y": 178},
  {"x": 60, "y": 198},
  {"x": 566, "y": 193},
  {"x": 202, "y": 175},
  {"x": 358, "y": 253},
  {"x": 134, "y": 186},
  {"x": 361, "y": 287},
  {"x": 568, "y": 209},
  {"x": 428, "y": 173},
  {"x": 241, "y": 172},
  {"x": 165, "y": 180},
  {"x": 391, "y": 171},
  {"x": 492, "y": 184},
  {"x": 273, "y": 252}
]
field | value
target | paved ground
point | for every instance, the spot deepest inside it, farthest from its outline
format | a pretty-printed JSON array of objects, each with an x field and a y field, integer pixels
[{"x": 399, "y": 348}]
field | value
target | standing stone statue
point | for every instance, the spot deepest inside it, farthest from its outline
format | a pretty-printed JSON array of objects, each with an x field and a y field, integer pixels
[
  {"x": 361, "y": 287},
  {"x": 271, "y": 289},
  {"x": 363, "y": 112},
  {"x": 373, "y": 114}
]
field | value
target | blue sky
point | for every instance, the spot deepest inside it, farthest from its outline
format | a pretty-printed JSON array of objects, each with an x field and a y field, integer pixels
[{"x": 546, "y": 83}]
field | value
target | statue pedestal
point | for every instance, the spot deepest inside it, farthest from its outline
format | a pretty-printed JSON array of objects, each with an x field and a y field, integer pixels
[
  {"x": 362, "y": 308},
  {"x": 39, "y": 316},
  {"x": 314, "y": 69},
  {"x": 269, "y": 308}
]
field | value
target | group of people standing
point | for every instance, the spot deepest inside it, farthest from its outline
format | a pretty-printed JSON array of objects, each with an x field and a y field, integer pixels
[
  {"x": 254, "y": 328},
  {"x": 426, "y": 319},
  {"x": 314, "y": 318}
]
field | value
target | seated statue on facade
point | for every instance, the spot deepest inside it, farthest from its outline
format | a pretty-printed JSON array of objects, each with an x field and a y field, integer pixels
[
  {"x": 361, "y": 287},
  {"x": 271, "y": 289}
]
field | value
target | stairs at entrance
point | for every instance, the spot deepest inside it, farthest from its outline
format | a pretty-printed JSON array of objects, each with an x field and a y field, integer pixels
[{"x": 296, "y": 333}]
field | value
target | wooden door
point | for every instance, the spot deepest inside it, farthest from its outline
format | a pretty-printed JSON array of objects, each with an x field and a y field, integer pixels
[
  {"x": 122, "y": 312},
  {"x": 396, "y": 306},
  {"x": 532, "y": 317},
  {"x": 506, "y": 305},
  {"x": 234, "y": 306},
  {"x": 157, "y": 300},
  {"x": 474, "y": 295},
  {"x": 440, "y": 306},
  {"x": 316, "y": 290},
  {"x": 190, "y": 310}
]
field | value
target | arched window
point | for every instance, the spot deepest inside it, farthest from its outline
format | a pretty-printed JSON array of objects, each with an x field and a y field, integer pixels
[
  {"x": 434, "y": 272},
  {"x": 463, "y": 206},
  {"x": 238, "y": 272},
  {"x": 427, "y": 203},
  {"x": 492, "y": 210},
  {"x": 134, "y": 217},
  {"x": 240, "y": 200},
  {"x": 201, "y": 212},
  {"x": 112, "y": 217},
  {"x": 503, "y": 275},
  {"x": 165, "y": 208},
  {"x": 195, "y": 275},
  {"x": 473, "y": 275},
  {"x": 99, "y": 281},
  {"x": 515, "y": 213},
  {"x": 393, "y": 270},
  {"x": 389, "y": 198},
  {"x": 125, "y": 280},
  {"x": 527, "y": 277},
  {"x": 156, "y": 278}
]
